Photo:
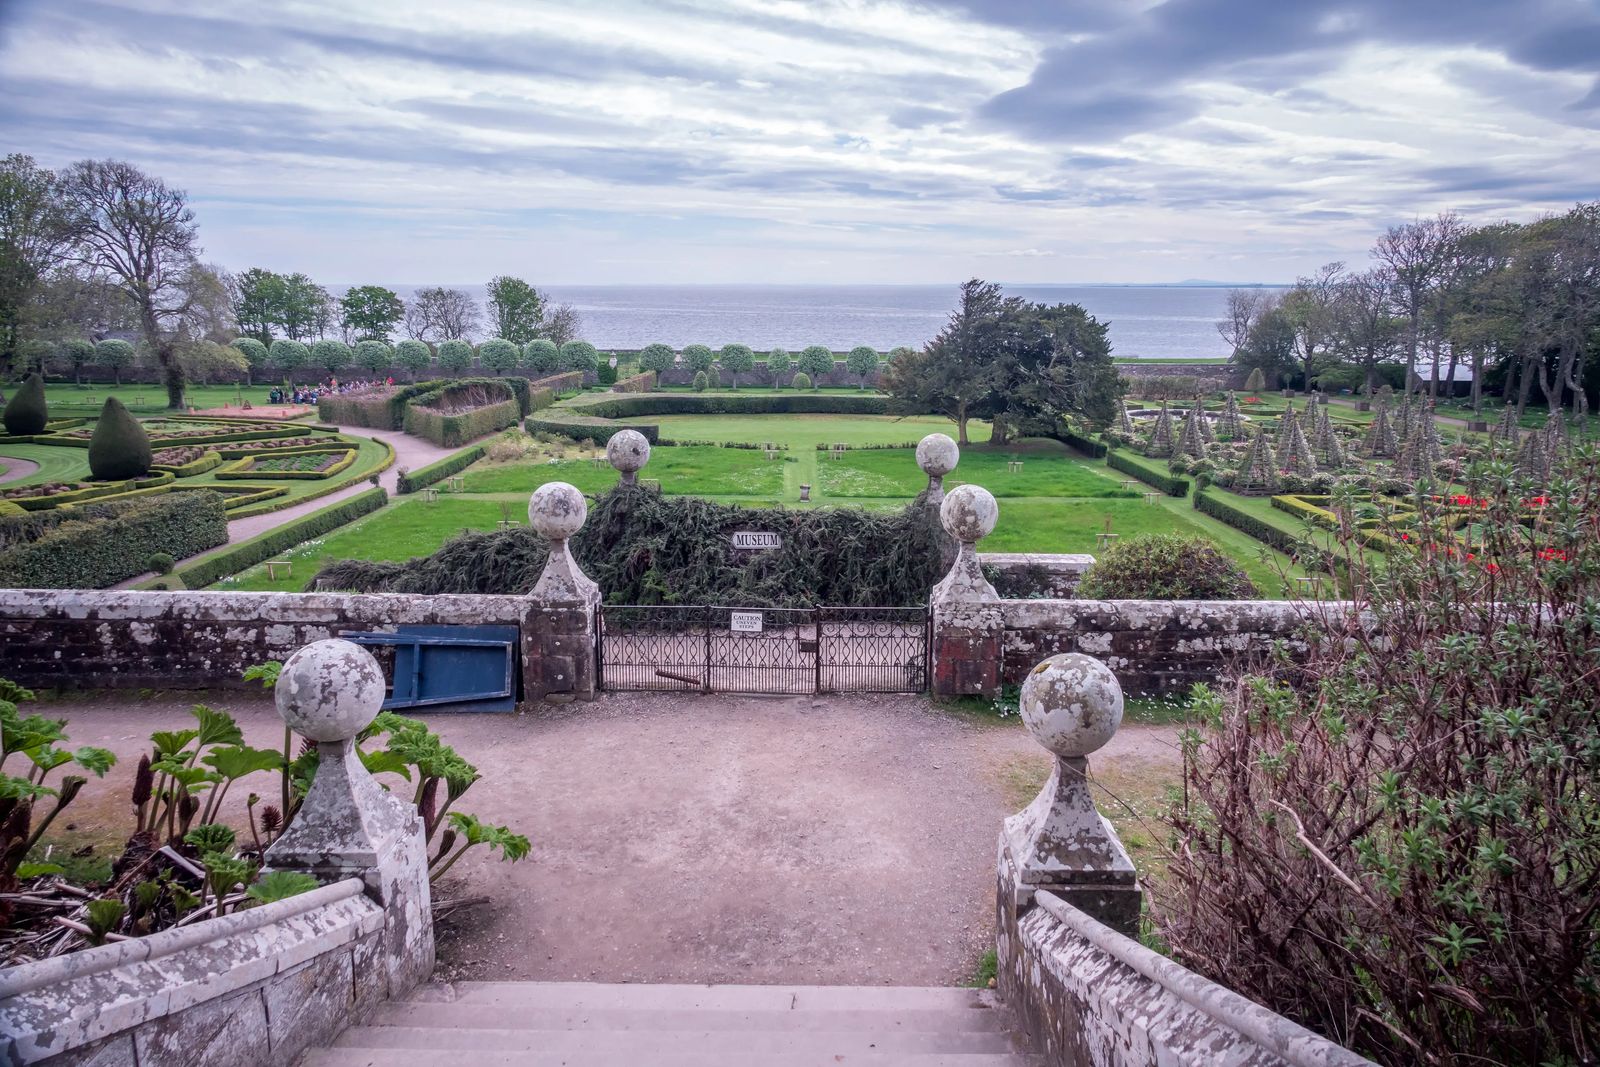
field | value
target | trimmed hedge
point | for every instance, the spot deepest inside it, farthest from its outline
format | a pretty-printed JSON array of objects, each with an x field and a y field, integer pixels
[
  {"x": 331, "y": 485},
  {"x": 73, "y": 496},
  {"x": 99, "y": 546},
  {"x": 1092, "y": 449},
  {"x": 570, "y": 382},
  {"x": 206, "y": 461},
  {"x": 264, "y": 546},
  {"x": 240, "y": 469},
  {"x": 1302, "y": 508},
  {"x": 238, "y": 496},
  {"x": 1166, "y": 483},
  {"x": 1262, "y": 531},
  {"x": 439, "y": 470},
  {"x": 619, "y": 406},
  {"x": 585, "y": 428},
  {"x": 381, "y": 411},
  {"x": 451, "y": 430},
  {"x": 636, "y": 383}
]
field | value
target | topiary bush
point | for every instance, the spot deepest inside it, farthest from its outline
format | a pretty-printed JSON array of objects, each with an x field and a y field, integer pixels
[
  {"x": 26, "y": 412},
  {"x": 1165, "y": 567},
  {"x": 498, "y": 354},
  {"x": 801, "y": 381},
  {"x": 455, "y": 356},
  {"x": 334, "y": 356},
  {"x": 374, "y": 356},
  {"x": 861, "y": 362},
  {"x": 255, "y": 355},
  {"x": 579, "y": 355},
  {"x": 713, "y": 378},
  {"x": 159, "y": 562},
  {"x": 778, "y": 366},
  {"x": 119, "y": 355},
  {"x": 700, "y": 381},
  {"x": 816, "y": 360},
  {"x": 119, "y": 449},
  {"x": 605, "y": 373},
  {"x": 657, "y": 357},
  {"x": 736, "y": 360},
  {"x": 76, "y": 353},
  {"x": 541, "y": 354},
  {"x": 287, "y": 355},
  {"x": 698, "y": 357},
  {"x": 414, "y": 356}
]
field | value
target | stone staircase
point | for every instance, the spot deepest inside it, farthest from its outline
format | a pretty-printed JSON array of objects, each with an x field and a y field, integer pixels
[{"x": 576, "y": 1024}]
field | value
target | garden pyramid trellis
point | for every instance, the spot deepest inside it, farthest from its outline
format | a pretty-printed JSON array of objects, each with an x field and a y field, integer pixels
[
  {"x": 1193, "y": 442},
  {"x": 1257, "y": 475},
  {"x": 1294, "y": 453},
  {"x": 1231, "y": 422},
  {"x": 1160, "y": 444}
]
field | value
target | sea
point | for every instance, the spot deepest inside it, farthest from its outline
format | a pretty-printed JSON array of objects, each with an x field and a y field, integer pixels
[{"x": 1146, "y": 321}]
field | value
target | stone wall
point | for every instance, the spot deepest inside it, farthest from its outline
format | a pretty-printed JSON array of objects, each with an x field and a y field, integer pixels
[
  {"x": 255, "y": 987},
  {"x": 1034, "y": 575},
  {"x": 1156, "y": 647},
  {"x": 1086, "y": 996},
  {"x": 1212, "y": 375},
  {"x": 760, "y": 376}
]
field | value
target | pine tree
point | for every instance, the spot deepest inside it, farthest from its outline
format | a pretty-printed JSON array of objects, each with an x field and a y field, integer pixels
[{"x": 1160, "y": 443}]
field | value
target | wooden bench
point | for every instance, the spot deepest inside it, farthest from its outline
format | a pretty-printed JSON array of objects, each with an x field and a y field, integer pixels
[
  {"x": 1152, "y": 498},
  {"x": 274, "y": 564},
  {"x": 431, "y": 494},
  {"x": 457, "y": 483},
  {"x": 1013, "y": 465}
]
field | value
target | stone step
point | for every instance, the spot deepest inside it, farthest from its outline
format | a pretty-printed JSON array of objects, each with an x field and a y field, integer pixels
[
  {"x": 717, "y": 1046},
  {"x": 632, "y": 996},
  {"x": 590, "y": 1018},
  {"x": 381, "y": 1057}
]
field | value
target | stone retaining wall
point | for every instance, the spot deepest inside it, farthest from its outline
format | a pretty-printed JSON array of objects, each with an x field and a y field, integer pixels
[
  {"x": 1023, "y": 575},
  {"x": 255, "y": 987}
]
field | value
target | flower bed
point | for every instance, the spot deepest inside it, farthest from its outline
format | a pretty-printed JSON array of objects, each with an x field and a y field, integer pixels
[{"x": 323, "y": 464}]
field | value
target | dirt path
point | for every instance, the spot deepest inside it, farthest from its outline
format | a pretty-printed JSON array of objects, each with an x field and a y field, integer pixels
[
  {"x": 12, "y": 468},
  {"x": 722, "y": 839}
]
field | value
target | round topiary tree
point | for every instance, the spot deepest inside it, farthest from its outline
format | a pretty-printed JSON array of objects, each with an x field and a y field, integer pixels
[
  {"x": 26, "y": 412},
  {"x": 498, "y": 354},
  {"x": 77, "y": 353},
  {"x": 455, "y": 356},
  {"x": 861, "y": 361},
  {"x": 700, "y": 381},
  {"x": 414, "y": 356},
  {"x": 713, "y": 378},
  {"x": 778, "y": 366},
  {"x": 801, "y": 381},
  {"x": 541, "y": 354},
  {"x": 333, "y": 355},
  {"x": 736, "y": 360},
  {"x": 579, "y": 355},
  {"x": 657, "y": 357},
  {"x": 119, "y": 448},
  {"x": 698, "y": 357},
  {"x": 119, "y": 355},
  {"x": 816, "y": 360},
  {"x": 255, "y": 355},
  {"x": 374, "y": 356},
  {"x": 1165, "y": 567},
  {"x": 289, "y": 356}
]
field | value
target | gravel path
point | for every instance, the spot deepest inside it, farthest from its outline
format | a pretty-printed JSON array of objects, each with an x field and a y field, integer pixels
[{"x": 703, "y": 839}]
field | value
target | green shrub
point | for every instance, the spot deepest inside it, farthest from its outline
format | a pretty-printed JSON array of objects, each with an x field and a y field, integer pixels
[
  {"x": 1089, "y": 447},
  {"x": 247, "y": 468},
  {"x": 160, "y": 562},
  {"x": 439, "y": 470},
  {"x": 1165, "y": 567},
  {"x": 1256, "y": 382},
  {"x": 605, "y": 373},
  {"x": 657, "y": 357},
  {"x": 579, "y": 355},
  {"x": 498, "y": 354},
  {"x": 287, "y": 355},
  {"x": 1166, "y": 483},
  {"x": 698, "y": 357},
  {"x": 736, "y": 360},
  {"x": 8, "y": 508},
  {"x": 376, "y": 410},
  {"x": 816, "y": 360},
  {"x": 455, "y": 356},
  {"x": 587, "y": 428},
  {"x": 374, "y": 356},
  {"x": 541, "y": 354},
  {"x": 26, "y": 412},
  {"x": 861, "y": 362},
  {"x": 102, "y": 544},
  {"x": 713, "y": 378},
  {"x": 1217, "y": 506},
  {"x": 414, "y": 356},
  {"x": 616, "y": 405},
  {"x": 778, "y": 365},
  {"x": 700, "y": 381},
  {"x": 248, "y": 553},
  {"x": 465, "y": 410},
  {"x": 333, "y": 355},
  {"x": 801, "y": 380},
  {"x": 119, "y": 449},
  {"x": 255, "y": 353}
]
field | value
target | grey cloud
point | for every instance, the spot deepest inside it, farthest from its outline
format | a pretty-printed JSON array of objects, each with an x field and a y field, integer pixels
[{"x": 911, "y": 118}]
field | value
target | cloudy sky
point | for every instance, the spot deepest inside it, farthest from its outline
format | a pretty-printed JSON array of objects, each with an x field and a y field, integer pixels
[{"x": 817, "y": 141}]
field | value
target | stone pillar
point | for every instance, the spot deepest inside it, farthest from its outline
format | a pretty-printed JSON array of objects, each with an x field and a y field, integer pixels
[
  {"x": 348, "y": 826},
  {"x": 628, "y": 451},
  {"x": 938, "y": 455},
  {"x": 967, "y": 627},
  {"x": 1060, "y": 844},
  {"x": 558, "y": 629}
]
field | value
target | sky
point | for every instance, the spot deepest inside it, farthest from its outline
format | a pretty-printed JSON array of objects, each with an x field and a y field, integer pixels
[{"x": 825, "y": 141}]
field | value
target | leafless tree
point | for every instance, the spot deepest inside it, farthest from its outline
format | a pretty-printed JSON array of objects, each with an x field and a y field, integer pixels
[
  {"x": 1245, "y": 306},
  {"x": 1364, "y": 327},
  {"x": 438, "y": 314},
  {"x": 138, "y": 233},
  {"x": 1419, "y": 254},
  {"x": 562, "y": 323},
  {"x": 1310, "y": 307}
]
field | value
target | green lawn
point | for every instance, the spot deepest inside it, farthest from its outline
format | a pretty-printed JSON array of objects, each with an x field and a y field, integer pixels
[
  {"x": 56, "y": 464},
  {"x": 693, "y": 470},
  {"x": 894, "y": 472},
  {"x": 806, "y": 431},
  {"x": 66, "y": 399}
]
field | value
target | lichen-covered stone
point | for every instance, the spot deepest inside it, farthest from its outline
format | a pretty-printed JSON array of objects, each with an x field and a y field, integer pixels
[
  {"x": 937, "y": 455},
  {"x": 330, "y": 690},
  {"x": 557, "y": 510},
  {"x": 628, "y": 451},
  {"x": 1071, "y": 704}
]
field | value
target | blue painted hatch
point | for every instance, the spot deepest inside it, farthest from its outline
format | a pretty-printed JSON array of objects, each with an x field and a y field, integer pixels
[{"x": 450, "y": 668}]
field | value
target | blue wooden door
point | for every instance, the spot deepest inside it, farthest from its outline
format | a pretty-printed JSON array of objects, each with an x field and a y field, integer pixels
[{"x": 450, "y": 668}]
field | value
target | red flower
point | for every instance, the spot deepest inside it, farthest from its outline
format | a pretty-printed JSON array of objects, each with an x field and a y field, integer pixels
[{"x": 1492, "y": 567}]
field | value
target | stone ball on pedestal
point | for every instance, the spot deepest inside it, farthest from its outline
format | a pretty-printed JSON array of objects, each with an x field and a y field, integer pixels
[
  {"x": 628, "y": 451},
  {"x": 937, "y": 455},
  {"x": 969, "y": 513},
  {"x": 557, "y": 510},
  {"x": 1071, "y": 704},
  {"x": 329, "y": 690}
]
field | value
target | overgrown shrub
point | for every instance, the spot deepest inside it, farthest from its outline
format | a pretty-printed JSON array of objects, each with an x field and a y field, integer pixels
[
  {"x": 644, "y": 548},
  {"x": 26, "y": 412},
  {"x": 801, "y": 380},
  {"x": 1165, "y": 567},
  {"x": 119, "y": 448},
  {"x": 1394, "y": 836},
  {"x": 100, "y": 545}
]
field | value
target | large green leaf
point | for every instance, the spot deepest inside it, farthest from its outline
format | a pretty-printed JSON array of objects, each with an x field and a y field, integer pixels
[
  {"x": 265, "y": 673},
  {"x": 21, "y": 734},
  {"x": 12, "y": 788},
  {"x": 171, "y": 742},
  {"x": 512, "y": 847},
  {"x": 281, "y": 885},
  {"x": 379, "y": 762},
  {"x": 211, "y": 837},
  {"x": 216, "y": 727},
  {"x": 98, "y": 760},
  {"x": 236, "y": 761},
  {"x": 48, "y": 756},
  {"x": 192, "y": 778}
]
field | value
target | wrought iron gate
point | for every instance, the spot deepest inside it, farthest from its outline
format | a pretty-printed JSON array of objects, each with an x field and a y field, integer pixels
[{"x": 677, "y": 648}]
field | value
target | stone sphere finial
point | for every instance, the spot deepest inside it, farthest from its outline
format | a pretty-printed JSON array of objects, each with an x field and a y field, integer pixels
[
  {"x": 937, "y": 455},
  {"x": 557, "y": 510},
  {"x": 628, "y": 451},
  {"x": 330, "y": 690},
  {"x": 969, "y": 513},
  {"x": 1071, "y": 704}
]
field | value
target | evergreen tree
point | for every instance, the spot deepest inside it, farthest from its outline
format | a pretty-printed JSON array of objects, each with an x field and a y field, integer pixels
[
  {"x": 26, "y": 412},
  {"x": 119, "y": 448}
]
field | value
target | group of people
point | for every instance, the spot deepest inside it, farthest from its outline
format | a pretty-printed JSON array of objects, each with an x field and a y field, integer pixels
[{"x": 308, "y": 394}]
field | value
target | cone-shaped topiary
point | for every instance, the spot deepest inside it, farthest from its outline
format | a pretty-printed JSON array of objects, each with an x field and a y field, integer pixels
[
  {"x": 119, "y": 449},
  {"x": 26, "y": 411},
  {"x": 1193, "y": 442},
  {"x": 1160, "y": 443},
  {"x": 1257, "y": 472}
]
